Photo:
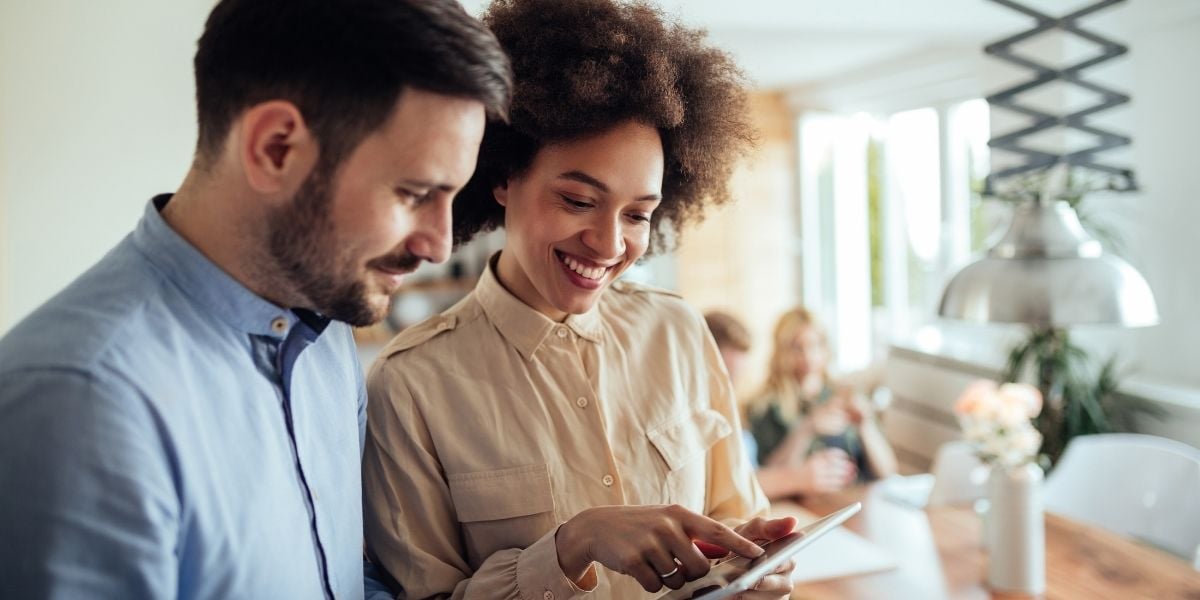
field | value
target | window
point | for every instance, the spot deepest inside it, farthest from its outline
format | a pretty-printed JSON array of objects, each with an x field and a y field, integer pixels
[{"x": 888, "y": 214}]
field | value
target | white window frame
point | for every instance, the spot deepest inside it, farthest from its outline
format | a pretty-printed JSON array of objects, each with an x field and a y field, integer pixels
[{"x": 940, "y": 79}]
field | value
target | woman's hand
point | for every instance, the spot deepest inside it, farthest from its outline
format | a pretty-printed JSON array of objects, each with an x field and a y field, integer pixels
[
  {"x": 778, "y": 584},
  {"x": 832, "y": 417},
  {"x": 826, "y": 471},
  {"x": 652, "y": 544},
  {"x": 860, "y": 409}
]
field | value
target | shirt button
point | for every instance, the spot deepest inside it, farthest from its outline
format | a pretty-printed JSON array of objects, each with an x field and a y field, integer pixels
[
  {"x": 549, "y": 595},
  {"x": 562, "y": 332},
  {"x": 279, "y": 325},
  {"x": 607, "y": 481},
  {"x": 581, "y": 402}
]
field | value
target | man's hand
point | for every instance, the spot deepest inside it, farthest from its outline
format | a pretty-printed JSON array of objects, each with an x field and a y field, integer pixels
[{"x": 646, "y": 543}]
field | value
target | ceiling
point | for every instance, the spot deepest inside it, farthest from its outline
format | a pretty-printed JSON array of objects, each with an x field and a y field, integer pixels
[{"x": 793, "y": 43}]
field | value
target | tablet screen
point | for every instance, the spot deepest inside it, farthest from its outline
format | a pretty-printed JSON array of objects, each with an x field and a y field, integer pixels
[{"x": 735, "y": 575}]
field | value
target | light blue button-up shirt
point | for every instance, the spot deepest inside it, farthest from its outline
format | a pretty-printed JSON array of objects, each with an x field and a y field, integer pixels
[{"x": 164, "y": 432}]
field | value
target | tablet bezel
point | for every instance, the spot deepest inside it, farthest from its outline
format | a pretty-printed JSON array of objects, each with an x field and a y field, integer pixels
[{"x": 749, "y": 573}]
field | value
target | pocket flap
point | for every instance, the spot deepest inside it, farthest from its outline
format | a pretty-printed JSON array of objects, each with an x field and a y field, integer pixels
[
  {"x": 681, "y": 439},
  {"x": 501, "y": 494}
]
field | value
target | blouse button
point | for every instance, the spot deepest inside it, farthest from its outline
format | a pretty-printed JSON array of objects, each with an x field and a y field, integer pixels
[
  {"x": 549, "y": 595},
  {"x": 581, "y": 402},
  {"x": 562, "y": 332},
  {"x": 607, "y": 481}
]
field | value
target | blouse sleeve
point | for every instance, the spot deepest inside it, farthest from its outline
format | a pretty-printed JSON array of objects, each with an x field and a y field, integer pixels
[{"x": 734, "y": 495}]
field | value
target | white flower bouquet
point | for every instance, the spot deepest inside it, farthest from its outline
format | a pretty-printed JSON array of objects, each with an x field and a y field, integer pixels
[{"x": 996, "y": 419}]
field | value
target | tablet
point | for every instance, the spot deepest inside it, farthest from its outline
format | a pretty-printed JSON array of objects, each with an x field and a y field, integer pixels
[{"x": 736, "y": 575}]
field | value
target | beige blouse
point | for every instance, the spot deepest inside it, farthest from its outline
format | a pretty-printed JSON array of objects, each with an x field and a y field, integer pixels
[{"x": 490, "y": 425}]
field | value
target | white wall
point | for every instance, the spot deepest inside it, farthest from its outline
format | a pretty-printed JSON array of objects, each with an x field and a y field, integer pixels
[
  {"x": 96, "y": 116},
  {"x": 1165, "y": 224}
]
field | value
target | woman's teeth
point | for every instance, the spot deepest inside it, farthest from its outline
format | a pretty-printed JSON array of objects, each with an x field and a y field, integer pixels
[{"x": 585, "y": 272}]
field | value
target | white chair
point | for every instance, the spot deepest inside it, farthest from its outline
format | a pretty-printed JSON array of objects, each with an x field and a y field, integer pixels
[
  {"x": 959, "y": 477},
  {"x": 1140, "y": 486}
]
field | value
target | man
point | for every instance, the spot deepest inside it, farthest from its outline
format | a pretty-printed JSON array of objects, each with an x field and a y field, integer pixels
[{"x": 186, "y": 418}]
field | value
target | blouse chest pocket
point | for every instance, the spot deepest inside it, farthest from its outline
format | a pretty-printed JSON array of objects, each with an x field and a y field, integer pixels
[
  {"x": 683, "y": 444},
  {"x": 503, "y": 508}
]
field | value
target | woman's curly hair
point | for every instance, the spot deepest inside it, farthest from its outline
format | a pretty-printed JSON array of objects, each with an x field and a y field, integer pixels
[{"x": 583, "y": 66}]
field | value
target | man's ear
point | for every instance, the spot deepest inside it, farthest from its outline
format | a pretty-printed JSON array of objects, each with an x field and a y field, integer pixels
[
  {"x": 275, "y": 147},
  {"x": 500, "y": 192}
]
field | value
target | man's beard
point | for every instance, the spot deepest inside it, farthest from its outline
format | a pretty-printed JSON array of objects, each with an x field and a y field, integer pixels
[{"x": 305, "y": 248}]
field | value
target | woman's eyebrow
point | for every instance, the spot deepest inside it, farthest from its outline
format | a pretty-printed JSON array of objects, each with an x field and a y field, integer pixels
[{"x": 584, "y": 178}]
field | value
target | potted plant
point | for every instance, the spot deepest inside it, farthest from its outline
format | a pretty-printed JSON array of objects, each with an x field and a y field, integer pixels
[{"x": 1081, "y": 398}]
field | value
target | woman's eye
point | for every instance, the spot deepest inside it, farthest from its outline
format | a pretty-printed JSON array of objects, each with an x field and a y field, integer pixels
[
  {"x": 640, "y": 217},
  {"x": 573, "y": 203}
]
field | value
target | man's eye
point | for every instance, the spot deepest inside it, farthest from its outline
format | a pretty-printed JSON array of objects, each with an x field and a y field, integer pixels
[{"x": 412, "y": 195}]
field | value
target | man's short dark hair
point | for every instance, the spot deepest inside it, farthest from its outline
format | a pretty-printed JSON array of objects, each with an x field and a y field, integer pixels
[{"x": 342, "y": 63}]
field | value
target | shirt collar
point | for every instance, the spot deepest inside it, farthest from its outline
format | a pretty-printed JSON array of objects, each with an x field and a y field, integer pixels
[
  {"x": 523, "y": 327},
  {"x": 206, "y": 284}
]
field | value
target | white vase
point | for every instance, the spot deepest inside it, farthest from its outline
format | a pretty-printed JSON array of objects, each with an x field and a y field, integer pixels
[
  {"x": 1016, "y": 530},
  {"x": 981, "y": 507}
]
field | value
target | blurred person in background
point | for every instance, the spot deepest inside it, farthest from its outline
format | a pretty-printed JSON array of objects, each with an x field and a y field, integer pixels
[
  {"x": 804, "y": 419},
  {"x": 827, "y": 470}
]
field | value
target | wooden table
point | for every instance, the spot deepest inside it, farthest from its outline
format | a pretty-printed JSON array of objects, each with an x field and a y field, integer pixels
[{"x": 940, "y": 557}]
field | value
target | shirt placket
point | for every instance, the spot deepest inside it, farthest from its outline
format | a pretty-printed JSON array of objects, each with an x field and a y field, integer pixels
[
  {"x": 275, "y": 358},
  {"x": 588, "y": 401}
]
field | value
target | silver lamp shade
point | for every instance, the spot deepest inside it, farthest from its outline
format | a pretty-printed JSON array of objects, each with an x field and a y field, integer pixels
[{"x": 1048, "y": 272}]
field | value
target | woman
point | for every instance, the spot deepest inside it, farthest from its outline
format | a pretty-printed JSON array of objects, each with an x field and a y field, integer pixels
[
  {"x": 820, "y": 472},
  {"x": 559, "y": 432},
  {"x": 801, "y": 415}
]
